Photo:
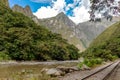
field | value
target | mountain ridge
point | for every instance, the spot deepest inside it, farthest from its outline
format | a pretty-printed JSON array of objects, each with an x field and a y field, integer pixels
[
  {"x": 61, "y": 24},
  {"x": 23, "y": 39},
  {"x": 90, "y": 30},
  {"x": 106, "y": 45},
  {"x": 80, "y": 35},
  {"x": 26, "y": 11}
]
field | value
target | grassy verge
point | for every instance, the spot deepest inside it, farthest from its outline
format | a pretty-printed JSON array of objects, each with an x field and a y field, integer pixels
[{"x": 28, "y": 72}]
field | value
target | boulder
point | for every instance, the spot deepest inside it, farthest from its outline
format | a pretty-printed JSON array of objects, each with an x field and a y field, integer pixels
[
  {"x": 81, "y": 59},
  {"x": 54, "y": 72},
  {"x": 67, "y": 69},
  {"x": 59, "y": 71},
  {"x": 44, "y": 70}
]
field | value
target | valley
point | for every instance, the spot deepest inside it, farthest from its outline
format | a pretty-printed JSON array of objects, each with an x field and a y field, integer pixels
[
  {"x": 80, "y": 35},
  {"x": 56, "y": 48}
]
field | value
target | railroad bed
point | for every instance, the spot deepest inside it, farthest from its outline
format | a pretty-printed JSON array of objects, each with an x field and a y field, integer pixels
[
  {"x": 115, "y": 75},
  {"x": 102, "y": 73},
  {"x": 96, "y": 74}
]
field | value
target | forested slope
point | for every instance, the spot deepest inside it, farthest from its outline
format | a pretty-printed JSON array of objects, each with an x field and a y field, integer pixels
[
  {"x": 22, "y": 39},
  {"x": 106, "y": 45}
]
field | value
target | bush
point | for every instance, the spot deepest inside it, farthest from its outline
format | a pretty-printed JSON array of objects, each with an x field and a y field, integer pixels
[
  {"x": 23, "y": 39},
  {"x": 4, "y": 56},
  {"x": 80, "y": 65},
  {"x": 92, "y": 62}
]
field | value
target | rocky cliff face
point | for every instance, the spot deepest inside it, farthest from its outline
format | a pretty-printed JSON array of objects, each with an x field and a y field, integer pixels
[
  {"x": 61, "y": 24},
  {"x": 26, "y": 11},
  {"x": 5, "y": 2},
  {"x": 84, "y": 32},
  {"x": 87, "y": 31},
  {"x": 80, "y": 35}
]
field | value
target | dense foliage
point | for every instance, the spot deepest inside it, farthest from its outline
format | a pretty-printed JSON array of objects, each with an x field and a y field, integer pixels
[
  {"x": 104, "y": 8},
  {"x": 22, "y": 39},
  {"x": 90, "y": 62},
  {"x": 107, "y": 45}
]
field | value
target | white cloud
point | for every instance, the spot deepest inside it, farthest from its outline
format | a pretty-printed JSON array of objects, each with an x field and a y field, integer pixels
[
  {"x": 45, "y": 12},
  {"x": 73, "y": 5},
  {"x": 41, "y": 1},
  {"x": 80, "y": 12},
  {"x": 51, "y": 11},
  {"x": 86, "y": 3},
  {"x": 80, "y": 15},
  {"x": 59, "y": 5},
  {"x": 68, "y": 7}
]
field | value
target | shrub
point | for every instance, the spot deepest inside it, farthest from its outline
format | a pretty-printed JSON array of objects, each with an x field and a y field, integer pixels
[
  {"x": 4, "y": 56},
  {"x": 91, "y": 62},
  {"x": 80, "y": 65},
  {"x": 23, "y": 39}
]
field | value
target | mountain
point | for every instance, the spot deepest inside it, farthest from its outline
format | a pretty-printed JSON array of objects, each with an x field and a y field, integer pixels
[
  {"x": 26, "y": 11},
  {"x": 63, "y": 25},
  {"x": 83, "y": 33},
  {"x": 22, "y": 39},
  {"x": 88, "y": 31},
  {"x": 106, "y": 45},
  {"x": 60, "y": 24},
  {"x": 80, "y": 35}
]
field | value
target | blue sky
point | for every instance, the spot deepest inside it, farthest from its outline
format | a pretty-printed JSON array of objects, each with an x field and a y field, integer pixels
[
  {"x": 33, "y": 5},
  {"x": 76, "y": 10}
]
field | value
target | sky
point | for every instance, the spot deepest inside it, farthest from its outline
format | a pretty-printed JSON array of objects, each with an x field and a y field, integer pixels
[{"x": 76, "y": 10}]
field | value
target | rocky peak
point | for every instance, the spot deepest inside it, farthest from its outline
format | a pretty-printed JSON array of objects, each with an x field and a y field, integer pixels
[
  {"x": 61, "y": 24},
  {"x": 88, "y": 31},
  {"x": 5, "y": 2},
  {"x": 17, "y": 8},
  {"x": 62, "y": 17},
  {"x": 26, "y": 11}
]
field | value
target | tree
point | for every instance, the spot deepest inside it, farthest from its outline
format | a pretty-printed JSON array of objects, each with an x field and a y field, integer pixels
[{"x": 105, "y": 8}]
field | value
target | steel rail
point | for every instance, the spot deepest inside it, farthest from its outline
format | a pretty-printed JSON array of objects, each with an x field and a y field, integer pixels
[{"x": 100, "y": 70}]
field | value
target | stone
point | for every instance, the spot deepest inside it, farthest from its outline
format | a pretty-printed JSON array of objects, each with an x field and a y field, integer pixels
[
  {"x": 67, "y": 69},
  {"x": 44, "y": 70},
  {"x": 81, "y": 59},
  {"x": 54, "y": 72},
  {"x": 26, "y": 11}
]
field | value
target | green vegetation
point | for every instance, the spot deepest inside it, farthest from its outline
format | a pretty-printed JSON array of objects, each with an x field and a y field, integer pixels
[
  {"x": 90, "y": 62},
  {"x": 61, "y": 24},
  {"x": 22, "y": 39},
  {"x": 106, "y": 46}
]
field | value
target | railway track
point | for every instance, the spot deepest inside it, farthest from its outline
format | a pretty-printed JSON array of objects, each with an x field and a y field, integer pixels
[
  {"x": 115, "y": 75},
  {"x": 103, "y": 73}
]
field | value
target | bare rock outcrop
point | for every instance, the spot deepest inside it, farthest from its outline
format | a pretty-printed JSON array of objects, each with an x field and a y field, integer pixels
[
  {"x": 80, "y": 35},
  {"x": 67, "y": 69},
  {"x": 26, "y": 11}
]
